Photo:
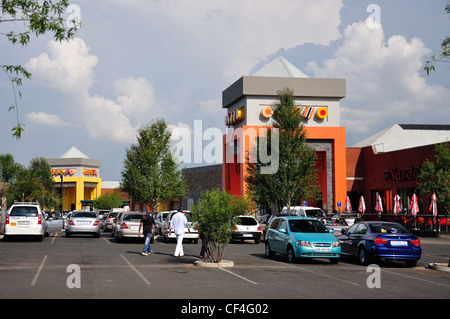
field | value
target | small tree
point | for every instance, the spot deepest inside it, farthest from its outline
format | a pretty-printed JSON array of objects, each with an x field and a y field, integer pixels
[
  {"x": 435, "y": 177},
  {"x": 216, "y": 214},
  {"x": 151, "y": 173},
  {"x": 108, "y": 201}
]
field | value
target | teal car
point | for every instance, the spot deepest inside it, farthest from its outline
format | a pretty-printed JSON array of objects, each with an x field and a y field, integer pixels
[{"x": 301, "y": 237}]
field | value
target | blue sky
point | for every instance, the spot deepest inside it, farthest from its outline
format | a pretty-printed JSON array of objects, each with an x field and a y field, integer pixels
[{"x": 133, "y": 61}]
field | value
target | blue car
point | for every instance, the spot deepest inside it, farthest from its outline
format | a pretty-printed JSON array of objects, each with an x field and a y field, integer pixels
[
  {"x": 301, "y": 237},
  {"x": 380, "y": 241}
]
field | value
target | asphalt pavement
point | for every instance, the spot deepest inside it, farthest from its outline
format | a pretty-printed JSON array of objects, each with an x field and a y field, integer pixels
[{"x": 99, "y": 268}]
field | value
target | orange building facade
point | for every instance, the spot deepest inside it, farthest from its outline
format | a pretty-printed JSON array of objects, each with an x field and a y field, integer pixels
[{"x": 248, "y": 104}]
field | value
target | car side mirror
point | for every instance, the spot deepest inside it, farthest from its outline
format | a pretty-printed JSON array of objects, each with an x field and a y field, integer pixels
[
  {"x": 344, "y": 231},
  {"x": 282, "y": 230},
  {"x": 331, "y": 230}
]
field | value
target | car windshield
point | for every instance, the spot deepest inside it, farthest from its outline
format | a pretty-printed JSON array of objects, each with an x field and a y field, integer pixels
[
  {"x": 382, "y": 228},
  {"x": 84, "y": 215},
  {"x": 137, "y": 217},
  {"x": 314, "y": 213},
  {"x": 28, "y": 211},
  {"x": 307, "y": 226},
  {"x": 247, "y": 221}
]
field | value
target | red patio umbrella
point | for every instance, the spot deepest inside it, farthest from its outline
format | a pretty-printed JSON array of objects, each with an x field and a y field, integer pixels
[
  {"x": 347, "y": 205},
  {"x": 362, "y": 205},
  {"x": 414, "y": 206},
  {"x": 379, "y": 205},
  {"x": 433, "y": 205},
  {"x": 398, "y": 206}
]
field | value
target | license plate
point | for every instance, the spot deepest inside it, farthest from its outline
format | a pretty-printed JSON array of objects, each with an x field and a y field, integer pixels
[
  {"x": 23, "y": 223},
  {"x": 247, "y": 235},
  {"x": 134, "y": 227},
  {"x": 399, "y": 243},
  {"x": 323, "y": 249},
  {"x": 84, "y": 223}
]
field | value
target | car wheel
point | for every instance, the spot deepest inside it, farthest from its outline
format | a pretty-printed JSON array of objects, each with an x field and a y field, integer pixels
[
  {"x": 290, "y": 254},
  {"x": 362, "y": 256},
  {"x": 269, "y": 253},
  {"x": 334, "y": 261},
  {"x": 256, "y": 241}
]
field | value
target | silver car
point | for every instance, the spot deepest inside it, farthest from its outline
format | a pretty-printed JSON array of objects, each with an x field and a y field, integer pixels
[
  {"x": 83, "y": 222},
  {"x": 127, "y": 226}
]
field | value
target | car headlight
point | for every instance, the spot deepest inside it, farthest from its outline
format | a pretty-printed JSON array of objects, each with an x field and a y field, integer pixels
[
  {"x": 336, "y": 244},
  {"x": 304, "y": 243}
]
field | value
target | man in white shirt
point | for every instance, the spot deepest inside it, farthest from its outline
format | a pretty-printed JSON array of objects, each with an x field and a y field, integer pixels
[{"x": 178, "y": 225}]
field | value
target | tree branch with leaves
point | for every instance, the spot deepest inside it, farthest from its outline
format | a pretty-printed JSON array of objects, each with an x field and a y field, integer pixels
[{"x": 38, "y": 18}]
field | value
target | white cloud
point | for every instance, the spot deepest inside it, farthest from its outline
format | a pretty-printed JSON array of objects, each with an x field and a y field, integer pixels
[
  {"x": 68, "y": 67},
  {"x": 41, "y": 118},
  {"x": 385, "y": 81}
]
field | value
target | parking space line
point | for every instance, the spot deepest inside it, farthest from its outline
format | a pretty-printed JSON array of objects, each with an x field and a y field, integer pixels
[
  {"x": 108, "y": 241},
  {"x": 328, "y": 276},
  {"x": 137, "y": 271},
  {"x": 38, "y": 271},
  {"x": 243, "y": 278},
  {"x": 416, "y": 278}
]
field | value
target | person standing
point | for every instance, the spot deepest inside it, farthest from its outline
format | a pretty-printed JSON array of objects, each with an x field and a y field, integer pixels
[
  {"x": 178, "y": 225},
  {"x": 147, "y": 222}
]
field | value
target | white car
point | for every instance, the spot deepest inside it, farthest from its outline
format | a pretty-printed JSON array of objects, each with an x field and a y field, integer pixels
[
  {"x": 160, "y": 218},
  {"x": 247, "y": 228},
  {"x": 305, "y": 211},
  {"x": 190, "y": 234},
  {"x": 25, "y": 219}
]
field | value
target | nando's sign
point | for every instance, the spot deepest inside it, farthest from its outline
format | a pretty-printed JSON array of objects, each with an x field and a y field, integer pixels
[{"x": 400, "y": 175}]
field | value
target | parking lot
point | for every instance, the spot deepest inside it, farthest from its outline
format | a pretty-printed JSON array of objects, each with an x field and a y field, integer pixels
[{"x": 86, "y": 267}]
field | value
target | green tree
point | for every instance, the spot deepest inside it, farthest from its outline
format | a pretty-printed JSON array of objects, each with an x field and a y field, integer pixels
[
  {"x": 108, "y": 201},
  {"x": 8, "y": 171},
  {"x": 33, "y": 17},
  {"x": 444, "y": 56},
  {"x": 435, "y": 177},
  {"x": 151, "y": 173},
  {"x": 35, "y": 184},
  {"x": 295, "y": 179},
  {"x": 215, "y": 215}
]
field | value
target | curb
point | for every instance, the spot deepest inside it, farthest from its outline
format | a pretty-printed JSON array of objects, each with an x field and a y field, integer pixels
[
  {"x": 438, "y": 266},
  {"x": 222, "y": 264}
]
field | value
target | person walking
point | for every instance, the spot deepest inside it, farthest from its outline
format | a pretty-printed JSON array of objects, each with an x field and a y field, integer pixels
[
  {"x": 147, "y": 222},
  {"x": 178, "y": 225}
]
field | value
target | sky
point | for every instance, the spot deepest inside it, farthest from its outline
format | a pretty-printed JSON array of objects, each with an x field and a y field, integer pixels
[{"x": 134, "y": 61}]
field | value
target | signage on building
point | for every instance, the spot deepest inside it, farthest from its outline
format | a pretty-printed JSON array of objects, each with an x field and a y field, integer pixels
[
  {"x": 63, "y": 172},
  {"x": 398, "y": 175},
  {"x": 90, "y": 172},
  {"x": 235, "y": 117}
]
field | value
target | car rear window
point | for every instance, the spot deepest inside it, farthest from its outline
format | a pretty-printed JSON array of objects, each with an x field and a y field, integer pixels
[
  {"x": 307, "y": 226},
  {"x": 314, "y": 213},
  {"x": 133, "y": 217},
  {"x": 84, "y": 214},
  {"x": 388, "y": 229},
  {"x": 247, "y": 221},
  {"x": 28, "y": 211}
]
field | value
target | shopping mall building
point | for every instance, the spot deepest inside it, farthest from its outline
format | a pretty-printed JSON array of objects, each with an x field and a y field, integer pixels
[{"x": 385, "y": 164}]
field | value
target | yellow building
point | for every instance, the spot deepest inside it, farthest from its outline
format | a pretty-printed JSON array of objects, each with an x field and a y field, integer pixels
[{"x": 77, "y": 177}]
